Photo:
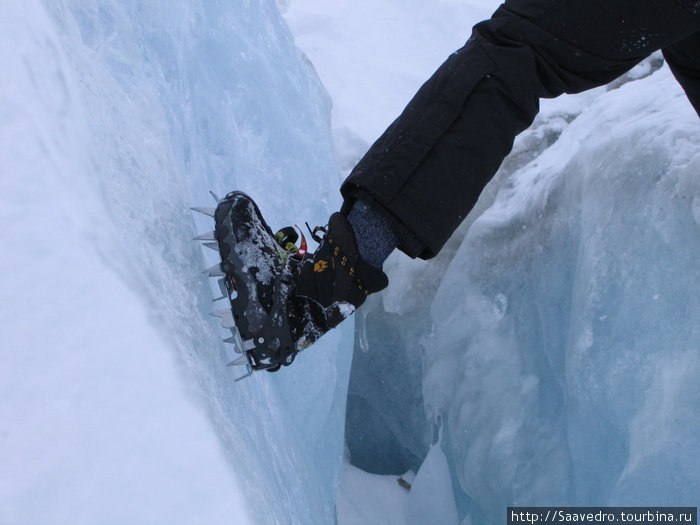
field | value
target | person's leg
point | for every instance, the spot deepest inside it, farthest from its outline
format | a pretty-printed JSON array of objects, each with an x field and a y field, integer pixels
[
  {"x": 422, "y": 177},
  {"x": 430, "y": 166},
  {"x": 374, "y": 232}
]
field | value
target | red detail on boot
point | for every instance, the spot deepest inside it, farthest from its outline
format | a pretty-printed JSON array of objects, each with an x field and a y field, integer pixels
[{"x": 302, "y": 246}]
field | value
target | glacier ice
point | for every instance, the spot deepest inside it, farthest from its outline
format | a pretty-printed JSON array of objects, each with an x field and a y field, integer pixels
[
  {"x": 594, "y": 245},
  {"x": 549, "y": 355},
  {"x": 116, "y": 117},
  {"x": 551, "y": 344},
  {"x": 432, "y": 499},
  {"x": 561, "y": 343}
]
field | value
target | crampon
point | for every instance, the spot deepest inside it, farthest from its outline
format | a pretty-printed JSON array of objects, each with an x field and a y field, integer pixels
[{"x": 254, "y": 275}]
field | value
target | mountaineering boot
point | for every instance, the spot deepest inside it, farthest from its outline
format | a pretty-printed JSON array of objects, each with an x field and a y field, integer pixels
[
  {"x": 332, "y": 283},
  {"x": 282, "y": 298}
]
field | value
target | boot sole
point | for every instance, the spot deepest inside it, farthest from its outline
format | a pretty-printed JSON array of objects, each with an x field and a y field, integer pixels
[{"x": 260, "y": 320}]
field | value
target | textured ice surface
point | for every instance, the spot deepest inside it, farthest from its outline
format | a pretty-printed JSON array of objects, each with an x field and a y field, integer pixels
[
  {"x": 553, "y": 343},
  {"x": 566, "y": 317},
  {"x": 548, "y": 356},
  {"x": 562, "y": 346},
  {"x": 115, "y": 117}
]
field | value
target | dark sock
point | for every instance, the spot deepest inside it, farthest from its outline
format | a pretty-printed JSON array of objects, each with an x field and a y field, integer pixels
[{"x": 374, "y": 232}]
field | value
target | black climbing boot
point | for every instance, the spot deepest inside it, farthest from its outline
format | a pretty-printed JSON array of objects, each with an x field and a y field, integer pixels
[{"x": 283, "y": 299}]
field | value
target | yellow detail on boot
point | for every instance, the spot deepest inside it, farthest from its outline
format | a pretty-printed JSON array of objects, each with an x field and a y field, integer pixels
[
  {"x": 320, "y": 266},
  {"x": 284, "y": 255}
]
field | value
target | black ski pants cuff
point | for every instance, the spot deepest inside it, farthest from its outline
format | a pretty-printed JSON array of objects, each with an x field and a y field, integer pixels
[{"x": 429, "y": 167}]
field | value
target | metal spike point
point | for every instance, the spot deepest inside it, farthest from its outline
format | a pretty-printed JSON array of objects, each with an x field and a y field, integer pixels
[
  {"x": 214, "y": 271},
  {"x": 226, "y": 317},
  {"x": 239, "y": 361},
  {"x": 209, "y": 236},
  {"x": 218, "y": 298},
  {"x": 216, "y": 198},
  {"x": 242, "y": 361},
  {"x": 248, "y": 374},
  {"x": 235, "y": 340},
  {"x": 206, "y": 211},
  {"x": 211, "y": 245}
]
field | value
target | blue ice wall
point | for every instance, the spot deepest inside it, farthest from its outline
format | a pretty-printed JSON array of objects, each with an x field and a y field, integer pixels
[
  {"x": 156, "y": 104},
  {"x": 559, "y": 361}
]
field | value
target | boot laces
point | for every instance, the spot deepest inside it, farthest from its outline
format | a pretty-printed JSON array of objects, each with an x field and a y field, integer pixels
[
  {"x": 314, "y": 233},
  {"x": 286, "y": 239}
]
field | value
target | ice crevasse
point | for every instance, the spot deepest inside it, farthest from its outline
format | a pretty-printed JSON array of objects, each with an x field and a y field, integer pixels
[
  {"x": 559, "y": 342},
  {"x": 548, "y": 357}
]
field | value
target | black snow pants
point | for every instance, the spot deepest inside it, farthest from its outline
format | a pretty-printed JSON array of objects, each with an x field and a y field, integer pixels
[{"x": 429, "y": 167}]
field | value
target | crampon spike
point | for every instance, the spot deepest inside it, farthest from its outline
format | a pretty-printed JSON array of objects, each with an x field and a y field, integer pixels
[
  {"x": 211, "y": 245},
  {"x": 216, "y": 198},
  {"x": 235, "y": 340},
  {"x": 239, "y": 361},
  {"x": 248, "y": 373},
  {"x": 214, "y": 271},
  {"x": 206, "y": 211},
  {"x": 226, "y": 317},
  {"x": 242, "y": 361},
  {"x": 209, "y": 236}
]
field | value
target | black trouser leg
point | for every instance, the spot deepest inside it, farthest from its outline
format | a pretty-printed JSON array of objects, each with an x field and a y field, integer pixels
[
  {"x": 432, "y": 163},
  {"x": 684, "y": 60}
]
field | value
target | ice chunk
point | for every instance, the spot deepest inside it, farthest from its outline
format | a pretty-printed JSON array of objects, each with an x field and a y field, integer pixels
[{"x": 431, "y": 499}]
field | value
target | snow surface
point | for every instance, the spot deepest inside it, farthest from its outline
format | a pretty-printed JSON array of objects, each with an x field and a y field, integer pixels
[
  {"x": 549, "y": 355},
  {"x": 372, "y": 499}
]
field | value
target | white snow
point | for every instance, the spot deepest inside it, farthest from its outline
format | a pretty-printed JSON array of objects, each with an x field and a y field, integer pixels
[{"x": 367, "y": 499}]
